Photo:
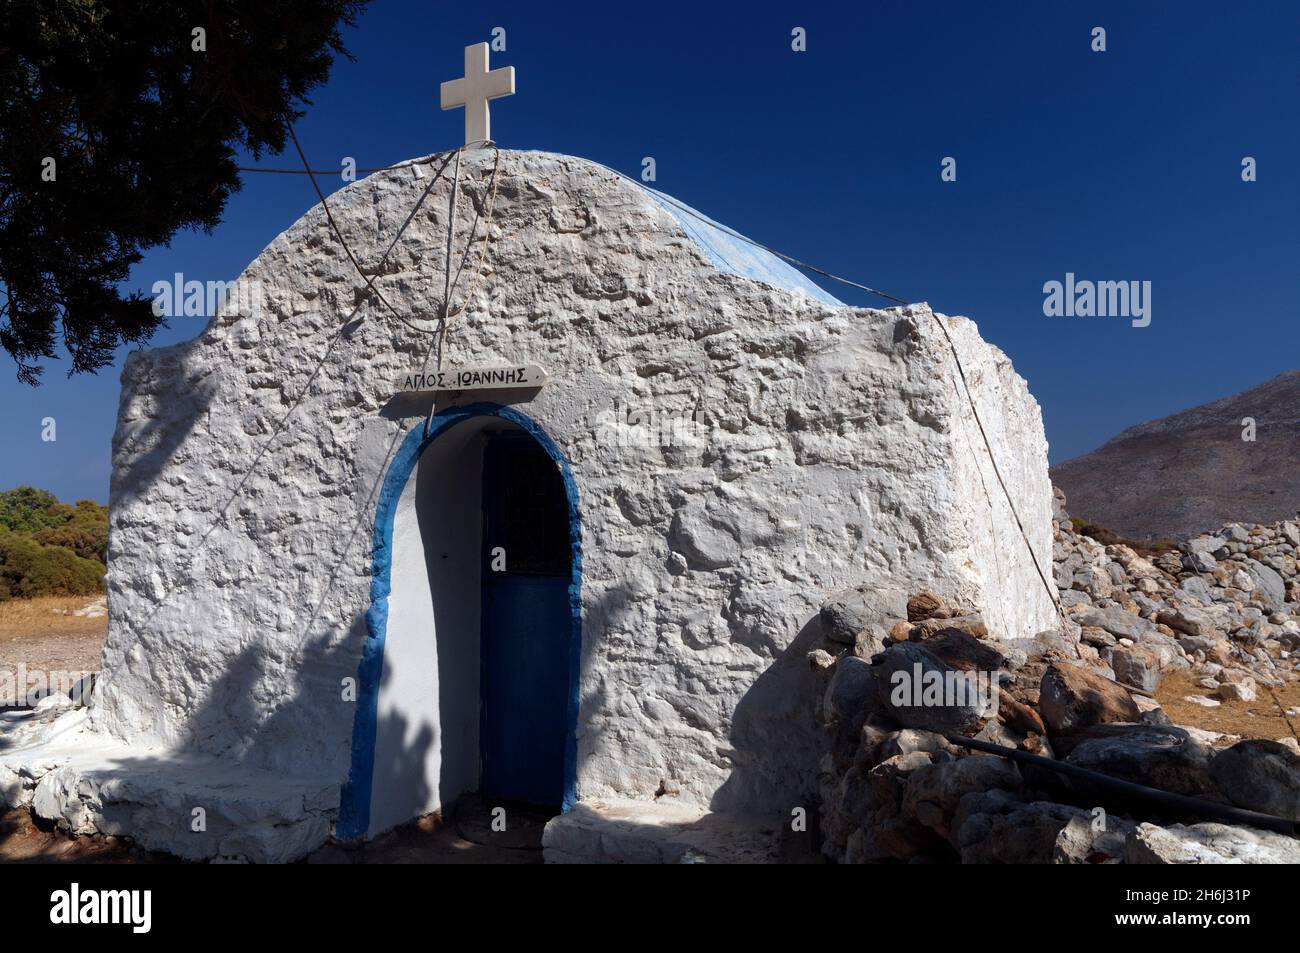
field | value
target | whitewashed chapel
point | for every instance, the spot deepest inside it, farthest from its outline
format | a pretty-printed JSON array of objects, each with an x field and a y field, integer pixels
[{"x": 572, "y": 551}]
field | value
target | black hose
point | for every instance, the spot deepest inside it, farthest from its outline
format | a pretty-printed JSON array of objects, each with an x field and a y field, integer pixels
[{"x": 1178, "y": 803}]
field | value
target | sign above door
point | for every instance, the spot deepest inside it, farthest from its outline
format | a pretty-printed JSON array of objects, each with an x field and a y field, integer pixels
[{"x": 485, "y": 377}]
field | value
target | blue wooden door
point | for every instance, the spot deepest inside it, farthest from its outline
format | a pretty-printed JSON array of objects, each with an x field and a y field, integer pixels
[{"x": 525, "y": 624}]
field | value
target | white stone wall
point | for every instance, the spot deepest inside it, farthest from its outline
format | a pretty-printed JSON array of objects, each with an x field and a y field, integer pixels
[{"x": 836, "y": 447}]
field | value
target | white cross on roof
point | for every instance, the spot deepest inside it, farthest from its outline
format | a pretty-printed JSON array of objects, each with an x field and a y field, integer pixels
[{"x": 474, "y": 89}]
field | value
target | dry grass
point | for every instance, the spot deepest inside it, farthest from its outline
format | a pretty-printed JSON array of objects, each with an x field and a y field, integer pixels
[
  {"x": 1258, "y": 719},
  {"x": 46, "y": 615},
  {"x": 1148, "y": 549}
]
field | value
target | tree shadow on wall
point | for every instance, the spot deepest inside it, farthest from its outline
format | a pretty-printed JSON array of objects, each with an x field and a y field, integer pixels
[
  {"x": 155, "y": 441},
  {"x": 237, "y": 775},
  {"x": 776, "y": 749},
  {"x": 776, "y": 745}
]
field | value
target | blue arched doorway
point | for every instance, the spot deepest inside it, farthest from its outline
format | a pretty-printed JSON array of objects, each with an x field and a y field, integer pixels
[{"x": 506, "y": 605}]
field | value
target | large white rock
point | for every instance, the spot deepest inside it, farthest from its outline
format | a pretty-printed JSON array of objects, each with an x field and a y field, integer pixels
[
  {"x": 836, "y": 447},
  {"x": 1208, "y": 844}
]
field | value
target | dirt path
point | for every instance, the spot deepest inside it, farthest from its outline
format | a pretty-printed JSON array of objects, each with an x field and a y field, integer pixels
[
  {"x": 46, "y": 639},
  {"x": 62, "y": 651},
  {"x": 48, "y": 632}
]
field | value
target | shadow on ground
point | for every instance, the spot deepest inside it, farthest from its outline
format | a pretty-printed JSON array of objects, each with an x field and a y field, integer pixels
[{"x": 464, "y": 836}]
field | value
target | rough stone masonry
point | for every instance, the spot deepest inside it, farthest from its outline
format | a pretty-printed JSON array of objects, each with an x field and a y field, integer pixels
[{"x": 835, "y": 447}]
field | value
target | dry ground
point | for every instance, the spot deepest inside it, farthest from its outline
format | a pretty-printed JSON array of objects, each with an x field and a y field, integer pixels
[
  {"x": 43, "y": 634},
  {"x": 1261, "y": 718},
  {"x": 465, "y": 836},
  {"x": 25, "y": 840}
]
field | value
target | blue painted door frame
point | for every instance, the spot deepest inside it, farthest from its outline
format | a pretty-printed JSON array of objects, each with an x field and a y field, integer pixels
[{"x": 354, "y": 807}]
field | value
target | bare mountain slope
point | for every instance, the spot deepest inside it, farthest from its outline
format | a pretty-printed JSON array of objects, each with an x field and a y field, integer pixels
[{"x": 1192, "y": 472}]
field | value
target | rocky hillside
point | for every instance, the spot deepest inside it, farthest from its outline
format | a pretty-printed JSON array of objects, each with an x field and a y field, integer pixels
[
  {"x": 1193, "y": 471},
  {"x": 903, "y": 780}
]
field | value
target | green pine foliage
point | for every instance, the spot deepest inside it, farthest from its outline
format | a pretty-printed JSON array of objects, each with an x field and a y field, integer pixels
[{"x": 120, "y": 123}]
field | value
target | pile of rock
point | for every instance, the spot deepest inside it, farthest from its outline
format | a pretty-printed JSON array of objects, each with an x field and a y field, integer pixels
[
  {"x": 1225, "y": 606},
  {"x": 905, "y": 679}
]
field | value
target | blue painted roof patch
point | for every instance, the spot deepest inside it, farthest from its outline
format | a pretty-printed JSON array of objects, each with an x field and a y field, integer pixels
[{"x": 735, "y": 256}]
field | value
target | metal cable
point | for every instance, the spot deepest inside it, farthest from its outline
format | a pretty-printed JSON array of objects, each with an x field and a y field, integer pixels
[
  {"x": 370, "y": 284},
  {"x": 970, "y": 398},
  {"x": 687, "y": 210},
  {"x": 447, "y": 314},
  {"x": 333, "y": 340}
]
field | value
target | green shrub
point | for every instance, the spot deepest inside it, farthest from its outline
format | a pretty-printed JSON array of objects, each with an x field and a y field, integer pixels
[
  {"x": 28, "y": 568},
  {"x": 86, "y": 532},
  {"x": 85, "y": 540},
  {"x": 26, "y": 509}
]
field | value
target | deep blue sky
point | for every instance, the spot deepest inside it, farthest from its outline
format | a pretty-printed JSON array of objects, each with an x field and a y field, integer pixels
[{"x": 1116, "y": 165}]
